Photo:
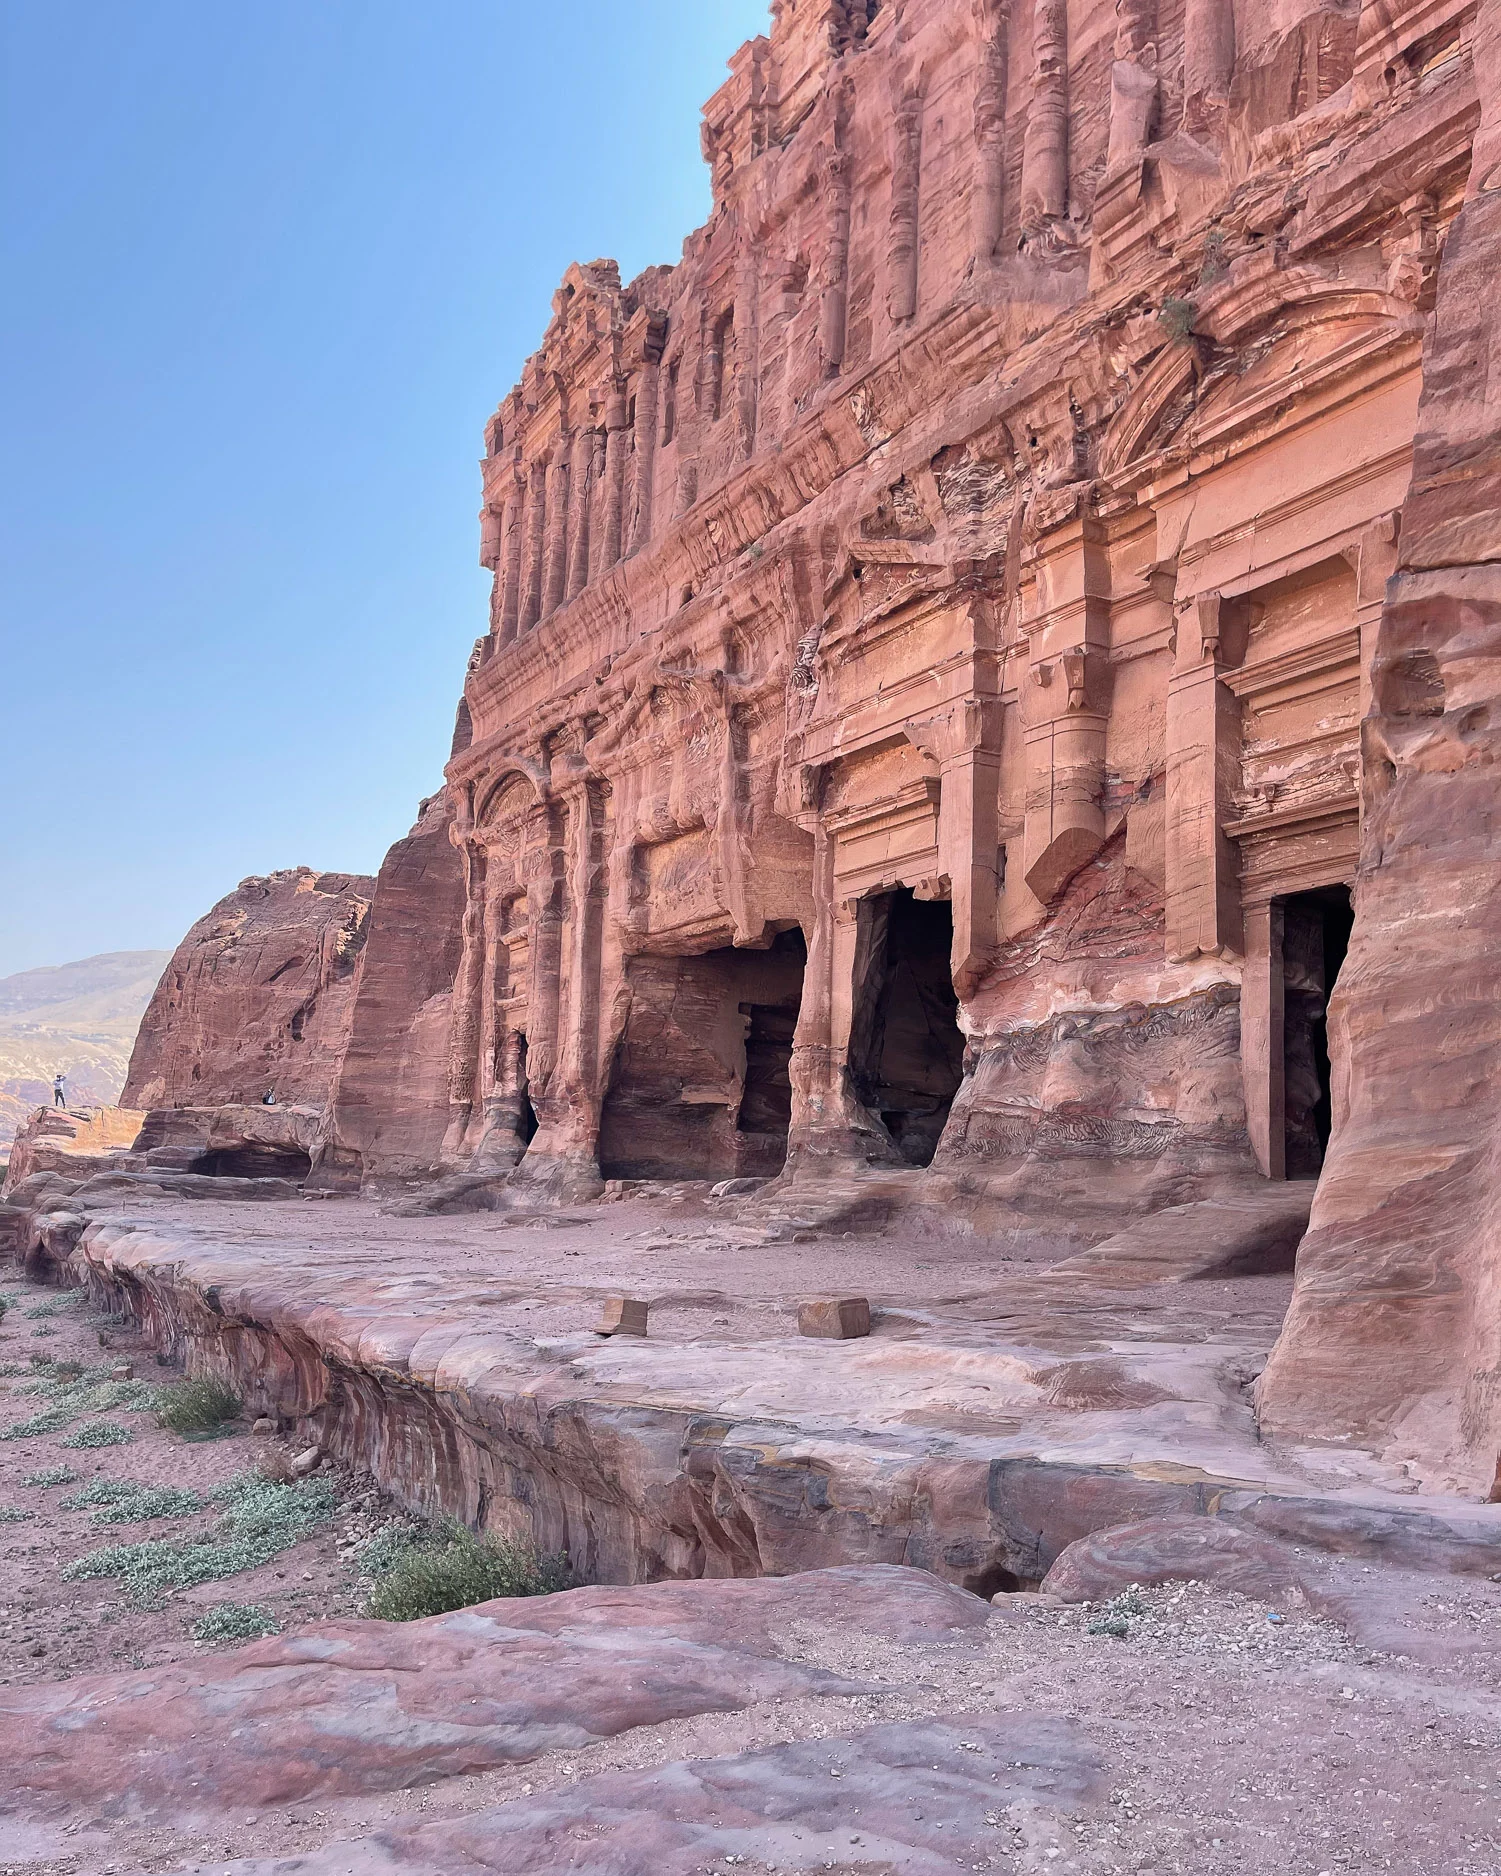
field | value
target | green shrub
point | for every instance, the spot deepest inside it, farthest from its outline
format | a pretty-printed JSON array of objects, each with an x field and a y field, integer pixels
[
  {"x": 13, "y": 1514},
  {"x": 70, "y": 1389},
  {"x": 99, "y": 1433},
  {"x": 260, "y": 1519},
  {"x": 50, "y": 1420},
  {"x": 52, "y": 1306},
  {"x": 455, "y": 1569},
  {"x": 123, "y": 1501},
  {"x": 201, "y": 1404},
  {"x": 52, "y": 1475},
  {"x": 235, "y": 1622},
  {"x": 1115, "y": 1617}
]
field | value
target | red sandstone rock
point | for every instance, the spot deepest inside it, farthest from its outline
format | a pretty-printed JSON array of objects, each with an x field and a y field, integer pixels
[
  {"x": 256, "y": 997},
  {"x": 622, "y": 1315},
  {"x": 1395, "y": 1324},
  {"x": 920, "y": 721},
  {"x": 1168, "y": 1550},
  {"x": 834, "y": 1318},
  {"x": 390, "y": 1107},
  {"x": 917, "y": 1796}
]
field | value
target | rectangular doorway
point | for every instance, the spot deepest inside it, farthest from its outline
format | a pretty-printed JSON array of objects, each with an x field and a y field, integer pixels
[{"x": 1315, "y": 937}]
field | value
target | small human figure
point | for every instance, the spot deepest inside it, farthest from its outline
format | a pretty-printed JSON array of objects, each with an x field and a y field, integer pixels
[
  {"x": 268, "y": 1099},
  {"x": 59, "y": 1091}
]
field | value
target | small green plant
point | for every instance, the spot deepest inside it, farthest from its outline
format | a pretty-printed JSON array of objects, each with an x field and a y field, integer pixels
[
  {"x": 52, "y": 1475},
  {"x": 52, "y": 1306},
  {"x": 260, "y": 1518},
  {"x": 235, "y": 1622},
  {"x": 200, "y": 1405},
  {"x": 123, "y": 1501},
  {"x": 13, "y": 1514},
  {"x": 381, "y": 1553},
  {"x": 1214, "y": 267},
  {"x": 1177, "y": 318},
  {"x": 99, "y": 1433},
  {"x": 455, "y": 1569},
  {"x": 1117, "y": 1615},
  {"x": 44, "y": 1329},
  {"x": 50, "y": 1420}
]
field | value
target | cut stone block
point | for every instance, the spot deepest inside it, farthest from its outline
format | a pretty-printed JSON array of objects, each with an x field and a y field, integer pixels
[
  {"x": 622, "y": 1315},
  {"x": 834, "y": 1318}
]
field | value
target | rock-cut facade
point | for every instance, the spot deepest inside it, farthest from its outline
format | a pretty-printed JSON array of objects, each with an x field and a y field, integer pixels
[{"x": 990, "y": 671}]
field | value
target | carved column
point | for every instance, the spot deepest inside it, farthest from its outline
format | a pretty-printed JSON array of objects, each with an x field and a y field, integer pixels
[
  {"x": 988, "y": 211},
  {"x": 1133, "y": 80},
  {"x": 828, "y": 1121},
  {"x": 1375, "y": 563},
  {"x": 1262, "y": 1000},
  {"x": 1203, "y": 742},
  {"x": 746, "y": 352},
  {"x": 906, "y": 193},
  {"x": 614, "y": 479},
  {"x": 1208, "y": 61},
  {"x": 833, "y": 304},
  {"x": 689, "y": 418},
  {"x": 1065, "y": 706},
  {"x": 556, "y": 582},
  {"x": 464, "y": 1030},
  {"x": 536, "y": 542},
  {"x": 1044, "y": 185},
  {"x": 512, "y": 547},
  {"x": 578, "y": 553},
  {"x": 648, "y": 417}
]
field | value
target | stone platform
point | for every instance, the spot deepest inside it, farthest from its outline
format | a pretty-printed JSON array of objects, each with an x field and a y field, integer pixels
[{"x": 1015, "y": 1394}]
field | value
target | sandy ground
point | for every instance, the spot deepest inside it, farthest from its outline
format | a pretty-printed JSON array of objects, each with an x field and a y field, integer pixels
[{"x": 50, "y": 1628}]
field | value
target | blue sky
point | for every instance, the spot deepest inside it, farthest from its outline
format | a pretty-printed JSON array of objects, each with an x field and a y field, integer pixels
[{"x": 268, "y": 269}]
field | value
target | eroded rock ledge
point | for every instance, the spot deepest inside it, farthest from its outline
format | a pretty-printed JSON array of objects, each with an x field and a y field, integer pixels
[{"x": 973, "y": 1442}]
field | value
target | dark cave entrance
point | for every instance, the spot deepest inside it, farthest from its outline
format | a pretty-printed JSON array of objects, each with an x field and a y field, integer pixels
[
  {"x": 1315, "y": 937},
  {"x": 765, "y": 1116},
  {"x": 906, "y": 1052},
  {"x": 701, "y": 1086},
  {"x": 255, "y": 1162}
]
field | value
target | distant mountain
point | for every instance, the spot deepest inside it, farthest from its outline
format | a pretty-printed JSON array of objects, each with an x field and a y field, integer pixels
[{"x": 79, "y": 1018}]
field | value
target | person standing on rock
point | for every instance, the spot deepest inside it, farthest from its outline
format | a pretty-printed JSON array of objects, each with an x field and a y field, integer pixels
[
  {"x": 268, "y": 1099},
  {"x": 59, "y": 1091}
]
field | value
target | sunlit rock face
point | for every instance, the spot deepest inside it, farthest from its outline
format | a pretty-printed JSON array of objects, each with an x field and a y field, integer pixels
[
  {"x": 920, "y": 724},
  {"x": 257, "y": 997}
]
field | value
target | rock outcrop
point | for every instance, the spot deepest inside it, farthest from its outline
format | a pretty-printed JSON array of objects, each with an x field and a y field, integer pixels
[
  {"x": 257, "y": 997},
  {"x": 1394, "y": 1334},
  {"x": 920, "y": 724},
  {"x": 390, "y": 1105}
]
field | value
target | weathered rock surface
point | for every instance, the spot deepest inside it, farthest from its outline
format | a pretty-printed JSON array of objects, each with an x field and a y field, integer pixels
[
  {"x": 390, "y": 1104},
  {"x": 376, "y": 1706},
  {"x": 71, "y": 1145},
  {"x": 976, "y": 1437},
  {"x": 919, "y": 1797},
  {"x": 920, "y": 725},
  {"x": 257, "y": 997},
  {"x": 1394, "y": 1333},
  {"x": 1169, "y": 1550}
]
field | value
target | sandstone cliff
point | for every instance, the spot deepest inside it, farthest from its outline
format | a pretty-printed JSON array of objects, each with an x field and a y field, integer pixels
[
  {"x": 257, "y": 997},
  {"x": 1394, "y": 1335},
  {"x": 957, "y": 639},
  {"x": 390, "y": 1109}
]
